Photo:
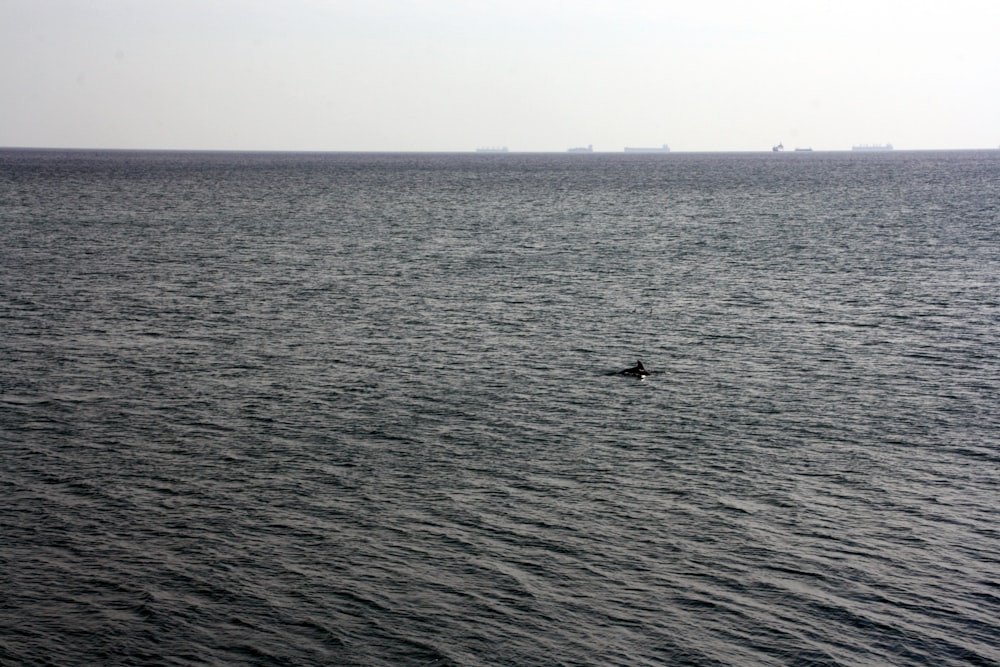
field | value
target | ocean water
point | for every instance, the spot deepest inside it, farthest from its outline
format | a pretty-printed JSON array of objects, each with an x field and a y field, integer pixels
[{"x": 364, "y": 409}]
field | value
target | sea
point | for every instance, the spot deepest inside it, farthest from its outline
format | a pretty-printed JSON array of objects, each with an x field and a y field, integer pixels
[{"x": 366, "y": 409}]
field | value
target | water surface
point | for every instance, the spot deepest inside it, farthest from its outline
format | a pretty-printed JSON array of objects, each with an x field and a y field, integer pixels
[{"x": 363, "y": 409}]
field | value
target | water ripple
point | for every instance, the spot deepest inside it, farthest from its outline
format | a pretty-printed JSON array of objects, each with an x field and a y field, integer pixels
[{"x": 365, "y": 409}]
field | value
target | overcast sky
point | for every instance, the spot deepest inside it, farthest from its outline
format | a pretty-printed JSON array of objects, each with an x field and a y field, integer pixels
[{"x": 534, "y": 75}]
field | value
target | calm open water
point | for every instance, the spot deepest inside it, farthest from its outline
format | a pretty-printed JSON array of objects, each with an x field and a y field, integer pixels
[{"x": 335, "y": 409}]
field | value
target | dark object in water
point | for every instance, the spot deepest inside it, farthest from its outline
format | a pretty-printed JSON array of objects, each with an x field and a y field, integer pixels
[{"x": 636, "y": 371}]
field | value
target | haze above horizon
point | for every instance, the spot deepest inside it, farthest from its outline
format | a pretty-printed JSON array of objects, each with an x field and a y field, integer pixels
[{"x": 546, "y": 75}]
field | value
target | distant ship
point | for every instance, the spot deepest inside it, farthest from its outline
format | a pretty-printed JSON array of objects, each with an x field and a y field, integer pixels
[
  {"x": 803, "y": 150},
  {"x": 662, "y": 149},
  {"x": 777, "y": 149},
  {"x": 489, "y": 149},
  {"x": 872, "y": 147},
  {"x": 581, "y": 149}
]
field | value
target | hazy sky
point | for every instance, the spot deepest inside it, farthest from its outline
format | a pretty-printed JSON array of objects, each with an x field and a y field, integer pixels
[{"x": 534, "y": 75}]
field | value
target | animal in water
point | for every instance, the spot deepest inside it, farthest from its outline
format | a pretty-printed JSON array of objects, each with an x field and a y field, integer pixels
[{"x": 636, "y": 371}]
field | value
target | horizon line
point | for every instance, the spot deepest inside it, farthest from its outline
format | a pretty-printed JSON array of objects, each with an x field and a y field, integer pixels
[{"x": 508, "y": 151}]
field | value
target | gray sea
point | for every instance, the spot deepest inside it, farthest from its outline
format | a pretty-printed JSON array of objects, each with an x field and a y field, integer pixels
[{"x": 365, "y": 409}]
